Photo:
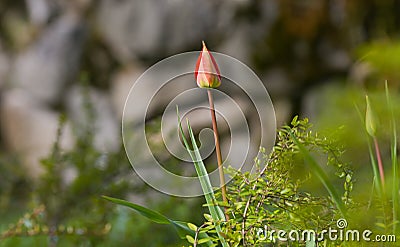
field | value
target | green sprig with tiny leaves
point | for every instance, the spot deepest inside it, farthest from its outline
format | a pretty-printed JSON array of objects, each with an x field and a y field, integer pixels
[{"x": 272, "y": 198}]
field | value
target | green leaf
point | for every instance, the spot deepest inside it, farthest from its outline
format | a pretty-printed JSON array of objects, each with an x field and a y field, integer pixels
[
  {"x": 204, "y": 240},
  {"x": 181, "y": 227},
  {"x": 192, "y": 226},
  {"x": 150, "y": 214},
  {"x": 207, "y": 217},
  {"x": 190, "y": 239},
  {"x": 216, "y": 212},
  {"x": 294, "y": 121}
]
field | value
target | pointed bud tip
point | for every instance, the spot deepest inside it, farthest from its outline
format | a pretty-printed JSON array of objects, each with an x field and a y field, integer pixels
[
  {"x": 204, "y": 49},
  {"x": 207, "y": 72}
]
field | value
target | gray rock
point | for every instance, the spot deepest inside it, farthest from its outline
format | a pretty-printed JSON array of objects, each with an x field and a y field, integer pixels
[
  {"x": 107, "y": 135},
  {"x": 30, "y": 130},
  {"x": 125, "y": 79},
  {"x": 47, "y": 65},
  {"x": 153, "y": 27},
  {"x": 241, "y": 36},
  {"x": 237, "y": 45},
  {"x": 39, "y": 11},
  {"x": 4, "y": 66},
  {"x": 131, "y": 26},
  {"x": 120, "y": 86},
  {"x": 277, "y": 83},
  {"x": 334, "y": 57}
]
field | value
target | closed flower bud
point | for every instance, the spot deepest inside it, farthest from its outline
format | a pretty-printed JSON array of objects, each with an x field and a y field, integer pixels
[
  {"x": 207, "y": 72},
  {"x": 370, "y": 119}
]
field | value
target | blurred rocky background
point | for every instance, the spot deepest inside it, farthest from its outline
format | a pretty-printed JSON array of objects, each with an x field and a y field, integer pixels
[{"x": 55, "y": 54}]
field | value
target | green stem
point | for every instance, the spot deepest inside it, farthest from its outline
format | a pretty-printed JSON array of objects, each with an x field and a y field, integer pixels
[{"x": 395, "y": 173}]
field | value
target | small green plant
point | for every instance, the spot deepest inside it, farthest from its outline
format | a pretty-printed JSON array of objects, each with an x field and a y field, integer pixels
[
  {"x": 270, "y": 197},
  {"x": 387, "y": 194},
  {"x": 369, "y": 132}
]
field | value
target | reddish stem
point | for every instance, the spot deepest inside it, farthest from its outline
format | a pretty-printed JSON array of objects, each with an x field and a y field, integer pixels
[
  {"x": 217, "y": 148},
  {"x": 380, "y": 164}
]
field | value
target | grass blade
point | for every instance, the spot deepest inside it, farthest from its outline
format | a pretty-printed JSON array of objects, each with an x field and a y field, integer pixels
[
  {"x": 215, "y": 211},
  {"x": 148, "y": 213},
  {"x": 395, "y": 173},
  {"x": 378, "y": 182},
  {"x": 181, "y": 227},
  {"x": 317, "y": 170}
]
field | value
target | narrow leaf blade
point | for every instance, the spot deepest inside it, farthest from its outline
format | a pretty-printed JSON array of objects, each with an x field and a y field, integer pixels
[
  {"x": 148, "y": 213},
  {"x": 317, "y": 170}
]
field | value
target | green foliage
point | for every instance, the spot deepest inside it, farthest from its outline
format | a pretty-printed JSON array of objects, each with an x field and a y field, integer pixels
[
  {"x": 386, "y": 192},
  {"x": 384, "y": 59},
  {"x": 194, "y": 235},
  {"x": 56, "y": 211},
  {"x": 272, "y": 198},
  {"x": 185, "y": 230},
  {"x": 71, "y": 210},
  {"x": 320, "y": 174},
  {"x": 150, "y": 214},
  {"x": 343, "y": 114},
  {"x": 14, "y": 187},
  {"x": 269, "y": 198}
]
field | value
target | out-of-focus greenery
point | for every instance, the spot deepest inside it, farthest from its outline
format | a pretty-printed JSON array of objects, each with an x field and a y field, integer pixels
[
  {"x": 56, "y": 212},
  {"x": 13, "y": 182},
  {"x": 339, "y": 117},
  {"x": 383, "y": 57},
  {"x": 336, "y": 113},
  {"x": 341, "y": 113}
]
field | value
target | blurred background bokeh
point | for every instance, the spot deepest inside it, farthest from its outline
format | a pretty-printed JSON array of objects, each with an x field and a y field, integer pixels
[{"x": 66, "y": 67}]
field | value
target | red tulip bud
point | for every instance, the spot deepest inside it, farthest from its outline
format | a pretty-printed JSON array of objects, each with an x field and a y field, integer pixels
[{"x": 207, "y": 72}]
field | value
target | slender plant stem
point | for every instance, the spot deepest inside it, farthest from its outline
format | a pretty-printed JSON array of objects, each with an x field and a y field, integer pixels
[
  {"x": 377, "y": 182},
  {"x": 380, "y": 165},
  {"x": 217, "y": 148},
  {"x": 395, "y": 173}
]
